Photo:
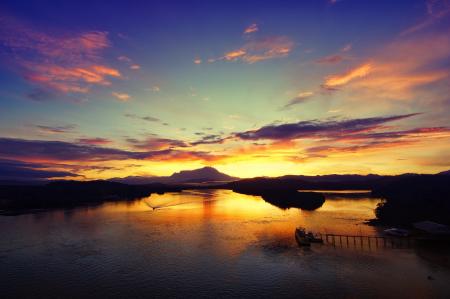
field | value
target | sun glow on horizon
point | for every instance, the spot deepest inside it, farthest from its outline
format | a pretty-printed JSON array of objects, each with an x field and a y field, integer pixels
[{"x": 247, "y": 92}]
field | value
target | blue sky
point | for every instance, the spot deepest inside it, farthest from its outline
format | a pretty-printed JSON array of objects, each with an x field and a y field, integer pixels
[{"x": 187, "y": 78}]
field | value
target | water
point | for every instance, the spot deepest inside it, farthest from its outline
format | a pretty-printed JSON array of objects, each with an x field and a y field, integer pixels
[{"x": 213, "y": 243}]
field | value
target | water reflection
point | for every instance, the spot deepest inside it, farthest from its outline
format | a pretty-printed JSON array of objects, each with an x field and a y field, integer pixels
[{"x": 205, "y": 243}]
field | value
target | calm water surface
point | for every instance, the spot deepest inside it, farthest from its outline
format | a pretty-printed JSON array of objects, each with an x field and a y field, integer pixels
[{"x": 213, "y": 243}]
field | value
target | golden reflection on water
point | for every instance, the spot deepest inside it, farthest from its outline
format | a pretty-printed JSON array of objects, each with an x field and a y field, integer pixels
[
  {"x": 210, "y": 241},
  {"x": 250, "y": 215}
]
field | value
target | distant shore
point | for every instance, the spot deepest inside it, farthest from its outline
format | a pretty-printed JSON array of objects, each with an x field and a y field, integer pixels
[{"x": 406, "y": 198}]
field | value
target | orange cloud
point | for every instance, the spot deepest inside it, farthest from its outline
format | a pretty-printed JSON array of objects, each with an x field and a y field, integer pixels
[
  {"x": 233, "y": 55},
  {"x": 259, "y": 50},
  {"x": 399, "y": 69},
  {"x": 342, "y": 79},
  {"x": 124, "y": 97}
]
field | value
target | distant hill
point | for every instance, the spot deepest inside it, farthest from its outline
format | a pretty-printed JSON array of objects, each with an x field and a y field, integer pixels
[
  {"x": 201, "y": 175},
  {"x": 444, "y": 172}
]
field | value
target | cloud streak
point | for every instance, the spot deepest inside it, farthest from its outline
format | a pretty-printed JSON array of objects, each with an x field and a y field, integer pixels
[
  {"x": 338, "y": 80},
  {"x": 252, "y": 28},
  {"x": 259, "y": 50},
  {"x": 145, "y": 118},
  {"x": 17, "y": 170},
  {"x": 55, "y": 129},
  {"x": 299, "y": 99},
  {"x": 318, "y": 129},
  {"x": 398, "y": 70},
  {"x": 94, "y": 141},
  {"x": 156, "y": 143},
  {"x": 59, "y": 151}
]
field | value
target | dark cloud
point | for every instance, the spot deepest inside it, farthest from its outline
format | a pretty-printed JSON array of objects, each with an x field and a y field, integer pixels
[
  {"x": 17, "y": 170},
  {"x": 62, "y": 151},
  {"x": 155, "y": 143},
  {"x": 332, "y": 59},
  {"x": 94, "y": 141},
  {"x": 55, "y": 129},
  {"x": 20, "y": 149},
  {"x": 146, "y": 118},
  {"x": 210, "y": 139},
  {"x": 299, "y": 99},
  {"x": 375, "y": 141},
  {"x": 318, "y": 129}
]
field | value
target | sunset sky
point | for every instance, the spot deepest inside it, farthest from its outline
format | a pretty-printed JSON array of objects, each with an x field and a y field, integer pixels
[{"x": 97, "y": 89}]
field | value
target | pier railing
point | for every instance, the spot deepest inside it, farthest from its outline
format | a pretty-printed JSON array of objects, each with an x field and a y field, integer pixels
[{"x": 359, "y": 241}]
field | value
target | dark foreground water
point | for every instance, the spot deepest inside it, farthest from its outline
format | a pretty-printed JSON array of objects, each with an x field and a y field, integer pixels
[{"x": 207, "y": 244}]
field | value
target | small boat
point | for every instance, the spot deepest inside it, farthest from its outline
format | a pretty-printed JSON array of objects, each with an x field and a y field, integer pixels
[
  {"x": 313, "y": 239},
  {"x": 397, "y": 232},
  {"x": 301, "y": 237}
]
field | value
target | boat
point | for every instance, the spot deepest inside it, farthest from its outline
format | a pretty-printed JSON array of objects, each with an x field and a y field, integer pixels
[
  {"x": 397, "y": 232},
  {"x": 305, "y": 239},
  {"x": 301, "y": 237},
  {"x": 313, "y": 239}
]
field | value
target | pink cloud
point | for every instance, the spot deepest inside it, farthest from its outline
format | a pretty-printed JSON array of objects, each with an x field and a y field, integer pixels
[
  {"x": 68, "y": 63},
  {"x": 67, "y": 79},
  {"x": 252, "y": 28}
]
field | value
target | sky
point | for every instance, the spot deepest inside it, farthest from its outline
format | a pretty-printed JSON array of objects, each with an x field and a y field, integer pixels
[{"x": 96, "y": 89}]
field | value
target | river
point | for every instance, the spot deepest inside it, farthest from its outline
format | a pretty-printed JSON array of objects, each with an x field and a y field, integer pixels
[{"x": 212, "y": 243}]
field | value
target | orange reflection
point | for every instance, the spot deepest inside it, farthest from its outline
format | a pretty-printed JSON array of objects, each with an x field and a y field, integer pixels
[{"x": 230, "y": 222}]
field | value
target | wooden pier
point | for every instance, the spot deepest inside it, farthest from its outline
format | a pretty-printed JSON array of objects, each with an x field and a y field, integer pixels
[{"x": 360, "y": 241}]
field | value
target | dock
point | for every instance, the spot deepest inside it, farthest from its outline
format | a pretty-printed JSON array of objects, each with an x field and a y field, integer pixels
[{"x": 359, "y": 241}]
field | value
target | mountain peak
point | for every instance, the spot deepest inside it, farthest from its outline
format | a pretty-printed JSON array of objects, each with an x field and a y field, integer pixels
[
  {"x": 200, "y": 175},
  {"x": 206, "y": 173}
]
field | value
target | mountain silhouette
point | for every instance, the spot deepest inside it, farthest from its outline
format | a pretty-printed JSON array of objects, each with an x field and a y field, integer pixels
[{"x": 201, "y": 175}]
